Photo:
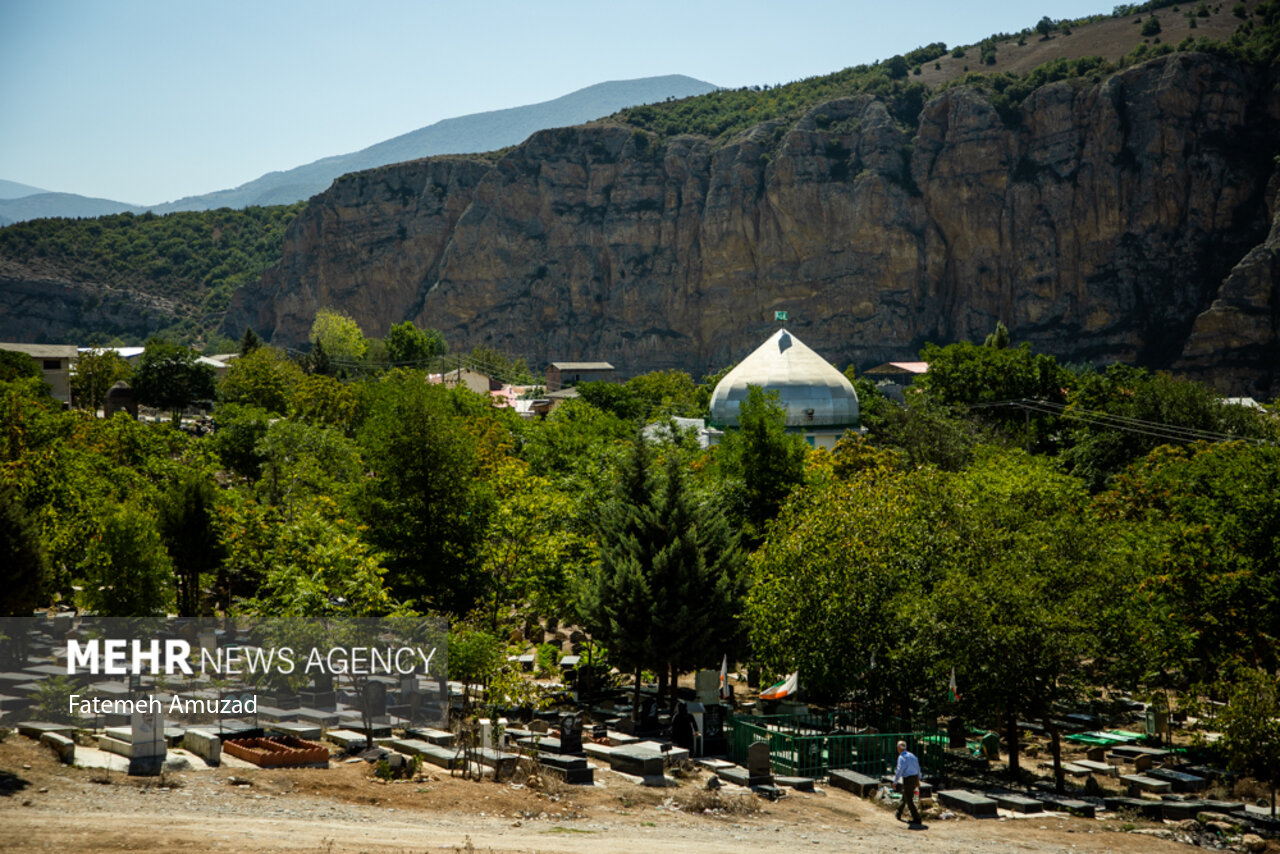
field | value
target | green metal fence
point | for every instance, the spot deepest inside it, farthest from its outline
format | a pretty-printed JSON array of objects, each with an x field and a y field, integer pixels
[{"x": 810, "y": 746}]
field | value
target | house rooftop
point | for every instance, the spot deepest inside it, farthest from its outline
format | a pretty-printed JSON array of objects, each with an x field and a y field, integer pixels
[
  {"x": 44, "y": 351},
  {"x": 583, "y": 366}
]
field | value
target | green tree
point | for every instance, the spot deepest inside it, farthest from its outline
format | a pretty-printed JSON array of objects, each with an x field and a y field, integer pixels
[
  {"x": 532, "y": 553},
  {"x": 407, "y": 344},
  {"x": 1250, "y": 726},
  {"x": 15, "y": 365},
  {"x": 24, "y": 568},
  {"x": 1122, "y": 414},
  {"x": 897, "y": 67},
  {"x": 169, "y": 377},
  {"x": 1044, "y": 26},
  {"x": 666, "y": 590},
  {"x": 264, "y": 377},
  {"x": 1208, "y": 520},
  {"x": 96, "y": 371},
  {"x": 339, "y": 334},
  {"x": 967, "y": 374},
  {"x": 187, "y": 525},
  {"x": 315, "y": 563},
  {"x": 301, "y": 461},
  {"x": 762, "y": 461},
  {"x": 617, "y": 600},
  {"x": 249, "y": 341},
  {"x": 1151, "y": 26},
  {"x": 126, "y": 570},
  {"x": 425, "y": 502},
  {"x": 696, "y": 579},
  {"x": 238, "y": 429}
]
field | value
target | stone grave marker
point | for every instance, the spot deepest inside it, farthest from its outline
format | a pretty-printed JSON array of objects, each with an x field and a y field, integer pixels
[
  {"x": 707, "y": 686},
  {"x": 375, "y": 700},
  {"x": 147, "y": 745},
  {"x": 956, "y": 733},
  {"x": 571, "y": 735},
  {"x": 759, "y": 770}
]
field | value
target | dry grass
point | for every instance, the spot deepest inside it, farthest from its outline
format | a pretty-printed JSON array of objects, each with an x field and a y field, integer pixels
[{"x": 712, "y": 801}]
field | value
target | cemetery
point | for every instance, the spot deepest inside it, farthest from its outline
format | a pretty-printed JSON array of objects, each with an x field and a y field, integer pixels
[{"x": 729, "y": 748}]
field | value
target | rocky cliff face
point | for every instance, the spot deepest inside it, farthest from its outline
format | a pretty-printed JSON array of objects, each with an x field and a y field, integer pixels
[
  {"x": 41, "y": 305},
  {"x": 1105, "y": 222}
]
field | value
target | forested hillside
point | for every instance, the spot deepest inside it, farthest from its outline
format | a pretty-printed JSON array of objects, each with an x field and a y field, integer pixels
[{"x": 183, "y": 266}]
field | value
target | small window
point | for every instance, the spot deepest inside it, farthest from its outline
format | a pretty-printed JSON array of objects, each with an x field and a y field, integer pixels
[
  {"x": 52, "y": 365},
  {"x": 809, "y": 439}
]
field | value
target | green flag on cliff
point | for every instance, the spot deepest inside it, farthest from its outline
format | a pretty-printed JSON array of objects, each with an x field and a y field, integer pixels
[{"x": 779, "y": 315}]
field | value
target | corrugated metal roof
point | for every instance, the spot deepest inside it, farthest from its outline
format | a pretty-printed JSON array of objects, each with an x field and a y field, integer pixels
[{"x": 583, "y": 366}]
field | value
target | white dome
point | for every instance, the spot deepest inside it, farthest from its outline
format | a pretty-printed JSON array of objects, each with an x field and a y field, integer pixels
[{"x": 813, "y": 392}]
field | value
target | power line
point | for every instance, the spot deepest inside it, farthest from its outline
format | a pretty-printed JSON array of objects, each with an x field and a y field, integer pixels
[{"x": 1106, "y": 420}]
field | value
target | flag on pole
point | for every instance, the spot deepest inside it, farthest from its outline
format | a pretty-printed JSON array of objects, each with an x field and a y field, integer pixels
[
  {"x": 952, "y": 695},
  {"x": 785, "y": 688},
  {"x": 724, "y": 678}
]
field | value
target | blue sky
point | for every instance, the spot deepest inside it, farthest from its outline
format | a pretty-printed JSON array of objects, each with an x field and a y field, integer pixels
[{"x": 146, "y": 101}]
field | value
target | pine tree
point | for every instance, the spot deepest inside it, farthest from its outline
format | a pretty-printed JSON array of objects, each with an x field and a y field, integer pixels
[
  {"x": 695, "y": 580},
  {"x": 664, "y": 594},
  {"x": 249, "y": 341}
]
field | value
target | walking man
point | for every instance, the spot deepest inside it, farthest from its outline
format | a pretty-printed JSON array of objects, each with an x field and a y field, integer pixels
[{"x": 909, "y": 773}]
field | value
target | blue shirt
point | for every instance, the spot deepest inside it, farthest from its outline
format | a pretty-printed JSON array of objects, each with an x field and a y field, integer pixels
[{"x": 908, "y": 766}]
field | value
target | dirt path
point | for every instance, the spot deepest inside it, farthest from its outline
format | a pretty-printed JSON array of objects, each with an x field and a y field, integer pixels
[{"x": 47, "y": 807}]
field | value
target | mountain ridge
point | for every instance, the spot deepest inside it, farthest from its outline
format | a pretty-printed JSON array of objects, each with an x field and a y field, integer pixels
[{"x": 473, "y": 133}]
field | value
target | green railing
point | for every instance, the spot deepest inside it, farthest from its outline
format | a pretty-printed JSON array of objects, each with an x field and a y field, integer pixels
[{"x": 810, "y": 746}]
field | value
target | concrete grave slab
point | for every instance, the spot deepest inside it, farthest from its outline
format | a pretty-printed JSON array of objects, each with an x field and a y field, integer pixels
[
  {"x": 1181, "y": 782},
  {"x": 311, "y": 732},
  {"x": 636, "y": 761},
  {"x": 64, "y": 748},
  {"x": 35, "y": 729},
  {"x": 972, "y": 803},
  {"x": 1142, "y": 783},
  {"x": 207, "y": 745},
  {"x": 800, "y": 784},
  {"x": 346, "y": 739},
  {"x": 1016, "y": 803},
  {"x": 851, "y": 781},
  {"x": 598, "y": 751},
  {"x": 432, "y": 753}
]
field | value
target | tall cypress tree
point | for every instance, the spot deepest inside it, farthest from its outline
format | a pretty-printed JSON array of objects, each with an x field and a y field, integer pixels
[
  {"x": 664, "y": 593},
  {"x": 696, "y": 580},
  {"x": 617, "y": 600}
]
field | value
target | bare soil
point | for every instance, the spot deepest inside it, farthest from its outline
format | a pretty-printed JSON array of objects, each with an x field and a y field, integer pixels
[{"x": 45, "y": 806}]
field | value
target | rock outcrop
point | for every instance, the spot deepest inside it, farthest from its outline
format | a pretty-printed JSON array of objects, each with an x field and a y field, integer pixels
[
  {"x": 1099, "y": 223},
  {"x": 41, "y": 305}
]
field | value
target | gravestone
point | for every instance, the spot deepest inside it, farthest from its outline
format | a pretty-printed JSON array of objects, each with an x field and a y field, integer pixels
[
  {"x": 320, "y": 695},
  {"x": 147, "y": 745},
  {"x": 976, "y": 805},
  {"x": 571, "y": 735},
  {"x": 375, "y": 700},
  {"x": 852, "y": 781},
  {"x": 707, "y": 686},
  {"x": 1097, "y": 753},
  {"x": 956, "y": 733},
  {"x": 715, "y": 741},
  {"x": 759, "y": 770}
]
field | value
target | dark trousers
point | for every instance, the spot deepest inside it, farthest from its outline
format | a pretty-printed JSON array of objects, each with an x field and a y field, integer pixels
[{"x": 909, "y": 786}]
